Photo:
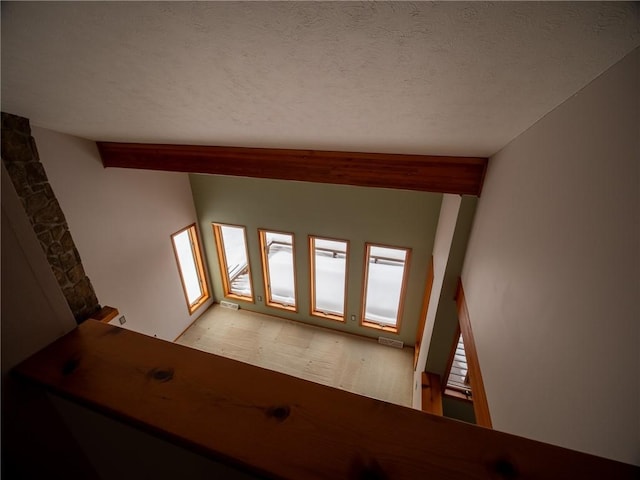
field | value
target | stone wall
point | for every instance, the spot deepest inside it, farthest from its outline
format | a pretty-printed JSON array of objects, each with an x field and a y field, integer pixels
[{"x": 20, "y": 156}]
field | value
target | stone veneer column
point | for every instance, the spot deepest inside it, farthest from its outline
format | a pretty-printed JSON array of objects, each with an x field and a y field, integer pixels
[{"x": 21, "y": 159}]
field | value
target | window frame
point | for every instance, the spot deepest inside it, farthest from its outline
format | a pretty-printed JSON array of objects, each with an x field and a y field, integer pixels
[
  {"x": 265, "y": 270},
  {"x": 196, "y": 251},
  {"x": 313, "y": 311},
  {"x": 403, "y": 288},
  {"x": 222, "y": 262}
]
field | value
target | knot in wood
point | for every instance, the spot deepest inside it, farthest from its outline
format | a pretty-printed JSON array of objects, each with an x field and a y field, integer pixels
[
  {"x": 363, "y": 470},
  {"x": 161, "y": 374},
  {"x": 70, "y": 365},
  {"x": 280, "y": 413},
  {"x": 505, "y": 468}
]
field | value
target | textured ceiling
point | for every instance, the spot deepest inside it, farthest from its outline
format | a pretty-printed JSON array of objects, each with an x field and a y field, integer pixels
[{"x": 435, "y": 78}]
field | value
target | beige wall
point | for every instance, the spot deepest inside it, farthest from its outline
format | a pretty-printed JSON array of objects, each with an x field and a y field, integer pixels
[
  {"x": 121, "y": 221},
  {"x": 358, "y": 214},
  {"x": 552, "y": 273}
]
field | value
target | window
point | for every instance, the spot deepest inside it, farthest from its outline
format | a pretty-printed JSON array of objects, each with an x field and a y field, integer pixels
[
  {"x": 231, "y": 245},
  {"x": 278, "y": 268},
  {"x": 194, "y": 283},
  {"x": 328, "y": 277},
  {"x": 385, "y": 277},
  {"x": 457, "y": 378}
]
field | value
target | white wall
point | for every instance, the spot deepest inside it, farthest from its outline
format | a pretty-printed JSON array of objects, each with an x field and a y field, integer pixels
[
  {"x": 552, "y": 273},
  {"x": 121, "y": 221},
  {"x": 441, "y": 247}
]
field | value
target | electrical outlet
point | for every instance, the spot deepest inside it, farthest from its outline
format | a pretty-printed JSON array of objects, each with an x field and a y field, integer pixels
[
  {"x": 122, "y": 320},
  {"x": 259, "y": 298},
  {"x": 353, "y": 318}
]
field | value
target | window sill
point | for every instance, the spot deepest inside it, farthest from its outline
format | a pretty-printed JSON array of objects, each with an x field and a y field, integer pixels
[
  {"x": 385, "y": 328},
  {"x": 196, "y": 305},
  {"x": 448, "y": 392},
  {"x": 282, "y": 307},
  {"x": 328, "y": 316},
  {"x": 241, "y": 298}
]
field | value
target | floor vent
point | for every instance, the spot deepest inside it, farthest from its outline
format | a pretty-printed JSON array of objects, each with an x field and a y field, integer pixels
[
  {"x": 390, "y": 342},
  {"x": 232, "y": 306}
]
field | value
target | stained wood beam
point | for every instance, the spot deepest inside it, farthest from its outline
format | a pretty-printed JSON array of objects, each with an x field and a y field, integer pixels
[
  {"x": 280, "y": 426},
  {"x": 459, "y": 175}
]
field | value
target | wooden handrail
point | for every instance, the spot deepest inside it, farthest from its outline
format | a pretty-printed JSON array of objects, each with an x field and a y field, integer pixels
[
  {"x": 480, "y": 403},
  {"x": 459, "y": 175},
  {"x": 280, "y": 426}
]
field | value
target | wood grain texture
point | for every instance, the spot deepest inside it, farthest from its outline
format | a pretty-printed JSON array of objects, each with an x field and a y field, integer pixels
[
  {"x": 280, "y": 426},
  {"x": 480, "y": 404},
  {"x": 459, "y": 175},
  {"x": 431, "y": 393}
]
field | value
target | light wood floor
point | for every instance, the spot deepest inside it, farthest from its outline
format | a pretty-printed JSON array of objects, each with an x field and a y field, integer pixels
[{"x": 356, "y": 364}]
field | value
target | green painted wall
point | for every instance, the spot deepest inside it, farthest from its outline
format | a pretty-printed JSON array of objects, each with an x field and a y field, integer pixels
[
  {"x": 394, "y": 217},
  {"x": 458, "y": 409}
]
